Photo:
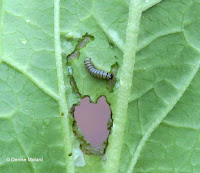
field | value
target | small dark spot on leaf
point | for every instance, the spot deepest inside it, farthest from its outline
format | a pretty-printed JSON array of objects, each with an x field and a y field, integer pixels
[
  {"x": 62, "y": 114},
  {"x": 70, "y": 154}
]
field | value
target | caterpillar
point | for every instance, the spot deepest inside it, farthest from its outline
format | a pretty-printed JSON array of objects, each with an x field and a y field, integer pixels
[{"x": 96, "y": 72}]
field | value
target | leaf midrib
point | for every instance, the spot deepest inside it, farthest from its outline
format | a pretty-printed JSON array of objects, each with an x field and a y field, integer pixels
[
  {"x": 120, "y": 114},
  {"x": 66, "y": 125}
]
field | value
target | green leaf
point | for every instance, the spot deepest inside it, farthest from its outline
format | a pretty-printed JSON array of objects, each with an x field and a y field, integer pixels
[
  {"x": 155, "y": 102},
  {"x": 163, "y": 116},
  {"x": 32, "y": 94}
]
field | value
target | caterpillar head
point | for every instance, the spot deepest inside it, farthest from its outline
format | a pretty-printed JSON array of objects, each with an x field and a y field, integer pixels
[{"x": 110, "y": 76}]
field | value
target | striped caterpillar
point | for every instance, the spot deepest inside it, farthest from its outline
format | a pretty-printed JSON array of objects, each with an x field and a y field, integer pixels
[{"x": 96, "y": 72}]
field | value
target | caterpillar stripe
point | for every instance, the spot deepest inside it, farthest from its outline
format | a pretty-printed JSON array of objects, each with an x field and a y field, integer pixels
[{"x": 96, "y": 72}]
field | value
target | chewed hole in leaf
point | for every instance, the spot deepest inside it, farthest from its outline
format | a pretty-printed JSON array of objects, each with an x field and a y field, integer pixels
[
  {"x": 92, "y": 120},
  {"x": 81, "y": 44}
]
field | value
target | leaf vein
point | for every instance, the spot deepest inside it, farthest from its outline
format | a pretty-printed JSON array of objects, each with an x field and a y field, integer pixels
[
  {"x": 149, "y": 3},
  {"x": 103, "y": 27},
  {"x": 126, "y": 75},
  {"x": 37, "y": 82},
  {"x": 61, "y": 85},
  {"x": 160, "y": 118}
]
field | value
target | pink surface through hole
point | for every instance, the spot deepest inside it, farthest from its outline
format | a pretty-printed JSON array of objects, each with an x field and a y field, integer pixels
[{"x": 92, "y": 120}]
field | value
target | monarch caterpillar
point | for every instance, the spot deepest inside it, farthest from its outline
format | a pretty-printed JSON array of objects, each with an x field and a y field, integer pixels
[{"x": 96, "y": 72}]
